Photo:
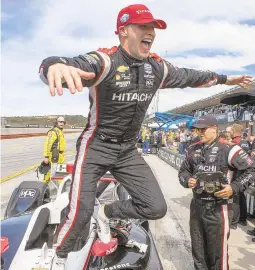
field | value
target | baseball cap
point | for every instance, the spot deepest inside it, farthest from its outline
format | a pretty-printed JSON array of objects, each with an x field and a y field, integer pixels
[
  {"x": 137, "y": 14},
  {"x": 205, "y": 121}
]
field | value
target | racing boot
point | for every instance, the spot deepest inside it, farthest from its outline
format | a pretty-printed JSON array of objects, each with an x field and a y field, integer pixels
[
  {"x": 103, "y": 225},
  {"x": 58, "y": 263}
]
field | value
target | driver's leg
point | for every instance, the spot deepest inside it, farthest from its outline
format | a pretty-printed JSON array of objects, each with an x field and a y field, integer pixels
[
  {"x": 90, "y": 165},
  {"x": 136, "y": 176}
]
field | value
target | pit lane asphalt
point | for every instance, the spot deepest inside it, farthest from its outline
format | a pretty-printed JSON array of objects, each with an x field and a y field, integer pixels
[{"x": 171, "y": 234}]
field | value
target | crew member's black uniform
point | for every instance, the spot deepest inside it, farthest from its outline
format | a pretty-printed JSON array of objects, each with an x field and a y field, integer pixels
[
  {"x": 120, "y": 95},
  {"x": 209, "y": 216},
  {"x": 239, "y": 205}
]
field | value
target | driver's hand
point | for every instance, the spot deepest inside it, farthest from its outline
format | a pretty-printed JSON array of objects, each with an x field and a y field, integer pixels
[
  {"x": 192, "y": 183},
  {"x": 253, "y": 153},
  {"x": 58, "y": 73},
  {"x": 46, "y": 160},
  {"x": 226, "y": 192}
]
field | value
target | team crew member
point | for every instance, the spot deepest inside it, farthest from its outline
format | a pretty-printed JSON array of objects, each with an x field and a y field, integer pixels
[
  {"x": 122, "y": 82},
  {"x": 209, "y": 210},
  {"x": 239, "y": 205},
  {"x": 54, "y": 146}
]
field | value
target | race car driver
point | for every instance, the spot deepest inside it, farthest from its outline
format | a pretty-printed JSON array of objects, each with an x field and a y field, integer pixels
[
  {"x": 209, "y": 213},
  {"x": 122, "y": 82},
  {"x": 54, "y": 146}
]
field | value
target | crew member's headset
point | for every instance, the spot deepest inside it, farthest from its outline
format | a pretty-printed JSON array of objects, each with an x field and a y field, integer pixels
[{"x": 57, "y": 120}]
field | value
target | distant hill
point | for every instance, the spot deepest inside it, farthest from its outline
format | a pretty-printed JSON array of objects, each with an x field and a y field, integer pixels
[{"x": 45, "y": 121}]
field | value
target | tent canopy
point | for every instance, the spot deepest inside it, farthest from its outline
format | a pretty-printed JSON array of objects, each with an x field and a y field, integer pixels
[
  {"x": 171, "y": 120},
  {"x": 239, "y": 98}
]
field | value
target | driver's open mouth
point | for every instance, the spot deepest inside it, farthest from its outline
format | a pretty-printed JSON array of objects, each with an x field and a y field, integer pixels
[{"x": 146, "y": 43}]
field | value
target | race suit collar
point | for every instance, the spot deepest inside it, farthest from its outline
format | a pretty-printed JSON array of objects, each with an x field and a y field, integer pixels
[
  {"x": 208, "y": 146},
  {"x": 130, "y": 60},
  {"x": 237, "y": 139}
]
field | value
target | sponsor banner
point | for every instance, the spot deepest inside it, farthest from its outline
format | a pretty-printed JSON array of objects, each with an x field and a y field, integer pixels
[
  {"x": 222, "y": 118},
  {"x": 172, "y": 158}
]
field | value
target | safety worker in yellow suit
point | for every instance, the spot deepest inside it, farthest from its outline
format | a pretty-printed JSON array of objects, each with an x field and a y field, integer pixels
[{"x": 54, "y": 146}]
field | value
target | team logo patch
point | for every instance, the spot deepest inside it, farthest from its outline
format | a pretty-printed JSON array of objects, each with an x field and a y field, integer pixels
[
  {"x": 122, "y": 68},
  {"x": 149, "y": 83},
  {"x": 147, "y": 68},
  {"x": 94, "y": 55},
  {"x": 215, "y": 150},
  {"x": 124, "y": 18}
]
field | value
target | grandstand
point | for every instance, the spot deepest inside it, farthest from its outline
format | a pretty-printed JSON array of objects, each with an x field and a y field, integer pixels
[
  {"x": 225, "y": 114},
  {"x": 208, "y": 102}
]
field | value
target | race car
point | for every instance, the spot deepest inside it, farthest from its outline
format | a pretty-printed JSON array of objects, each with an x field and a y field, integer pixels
[{"x": 33, "y": 216}]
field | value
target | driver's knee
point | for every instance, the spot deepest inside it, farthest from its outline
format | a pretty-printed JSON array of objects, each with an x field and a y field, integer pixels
[
  {"x": 159, "y": 210},
  {"x": 156, "y": 211}
]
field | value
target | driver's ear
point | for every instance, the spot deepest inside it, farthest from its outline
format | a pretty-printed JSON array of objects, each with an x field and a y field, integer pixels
[{"x": 123, "y": 31}]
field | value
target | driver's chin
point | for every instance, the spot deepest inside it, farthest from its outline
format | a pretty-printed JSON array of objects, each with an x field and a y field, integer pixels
[
  {"x": 140, "y": 55},
  {"x": 144, "y": 55}
]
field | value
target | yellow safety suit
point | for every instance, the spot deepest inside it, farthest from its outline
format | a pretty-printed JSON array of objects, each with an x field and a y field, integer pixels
[{"x": 54, "y": 148}]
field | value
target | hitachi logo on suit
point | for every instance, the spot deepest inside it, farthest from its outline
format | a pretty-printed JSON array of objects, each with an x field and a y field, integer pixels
[
  {"x": 131, "y": 97},
  {"x": 207, "y": 168}
]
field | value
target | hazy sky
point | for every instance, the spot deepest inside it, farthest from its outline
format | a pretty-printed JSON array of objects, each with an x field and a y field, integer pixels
[{"x": 216, "y": 35}]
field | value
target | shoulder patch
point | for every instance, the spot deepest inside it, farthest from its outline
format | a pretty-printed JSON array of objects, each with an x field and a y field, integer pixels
[
  {"x": 107, "y": 51},
  {"x": 156, "y": 57}
]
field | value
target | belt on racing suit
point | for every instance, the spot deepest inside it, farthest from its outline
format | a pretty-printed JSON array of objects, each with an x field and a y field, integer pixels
[
  {"x": 112, "y": 139},
  {"x": 208, "y": 203},
  {"x": 61, "y": 152}
]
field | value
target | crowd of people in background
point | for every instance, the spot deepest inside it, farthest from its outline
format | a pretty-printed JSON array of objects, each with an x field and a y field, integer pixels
[
  {"x": 177, "y": 140},
  {"x": 221, "y": 109}
]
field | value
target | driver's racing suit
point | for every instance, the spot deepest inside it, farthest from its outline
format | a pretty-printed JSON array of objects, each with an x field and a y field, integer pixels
[
  {"x": 209, "y": 216},
  {"x": 119, "y": 97}
]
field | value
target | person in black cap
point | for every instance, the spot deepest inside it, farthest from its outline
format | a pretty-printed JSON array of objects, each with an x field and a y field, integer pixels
[
  {"x": 209, "y": 209},
  {"x": 193, "y": 136}
]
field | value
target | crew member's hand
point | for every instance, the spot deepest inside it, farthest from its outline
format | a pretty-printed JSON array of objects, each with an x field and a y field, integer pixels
[
  {"x": 226, "y": 192},
  {"x": 58, "y": 73},
  {"x": 192, "y": 183},
  {"x": 46, "y": 160},
  {"x": 241, "y": 80},
  {"x": 253, "y": 153}
]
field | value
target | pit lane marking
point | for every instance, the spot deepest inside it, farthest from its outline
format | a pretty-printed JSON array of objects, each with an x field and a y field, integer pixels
[
  {"x": 18, "y": 173},
  {"x": 14, "y": 147},
  {"x": 7, "y": 178}
]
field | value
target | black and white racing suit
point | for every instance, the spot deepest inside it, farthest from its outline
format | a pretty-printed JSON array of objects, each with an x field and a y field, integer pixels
[
  {"x": 209, "y": 216},
  {"x": 239, "y": 205},
  {"x": 119, "y": 98}
]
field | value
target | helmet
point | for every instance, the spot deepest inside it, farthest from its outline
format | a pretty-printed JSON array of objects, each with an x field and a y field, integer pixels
[{"x": 44, "y": 168}]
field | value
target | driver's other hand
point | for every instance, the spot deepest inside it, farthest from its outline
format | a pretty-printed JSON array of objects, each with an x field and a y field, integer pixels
[
  {"x": 192, "y": 183},
  {"x": 46, "y": 160},
  {"x": 59, "y": 73}
]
